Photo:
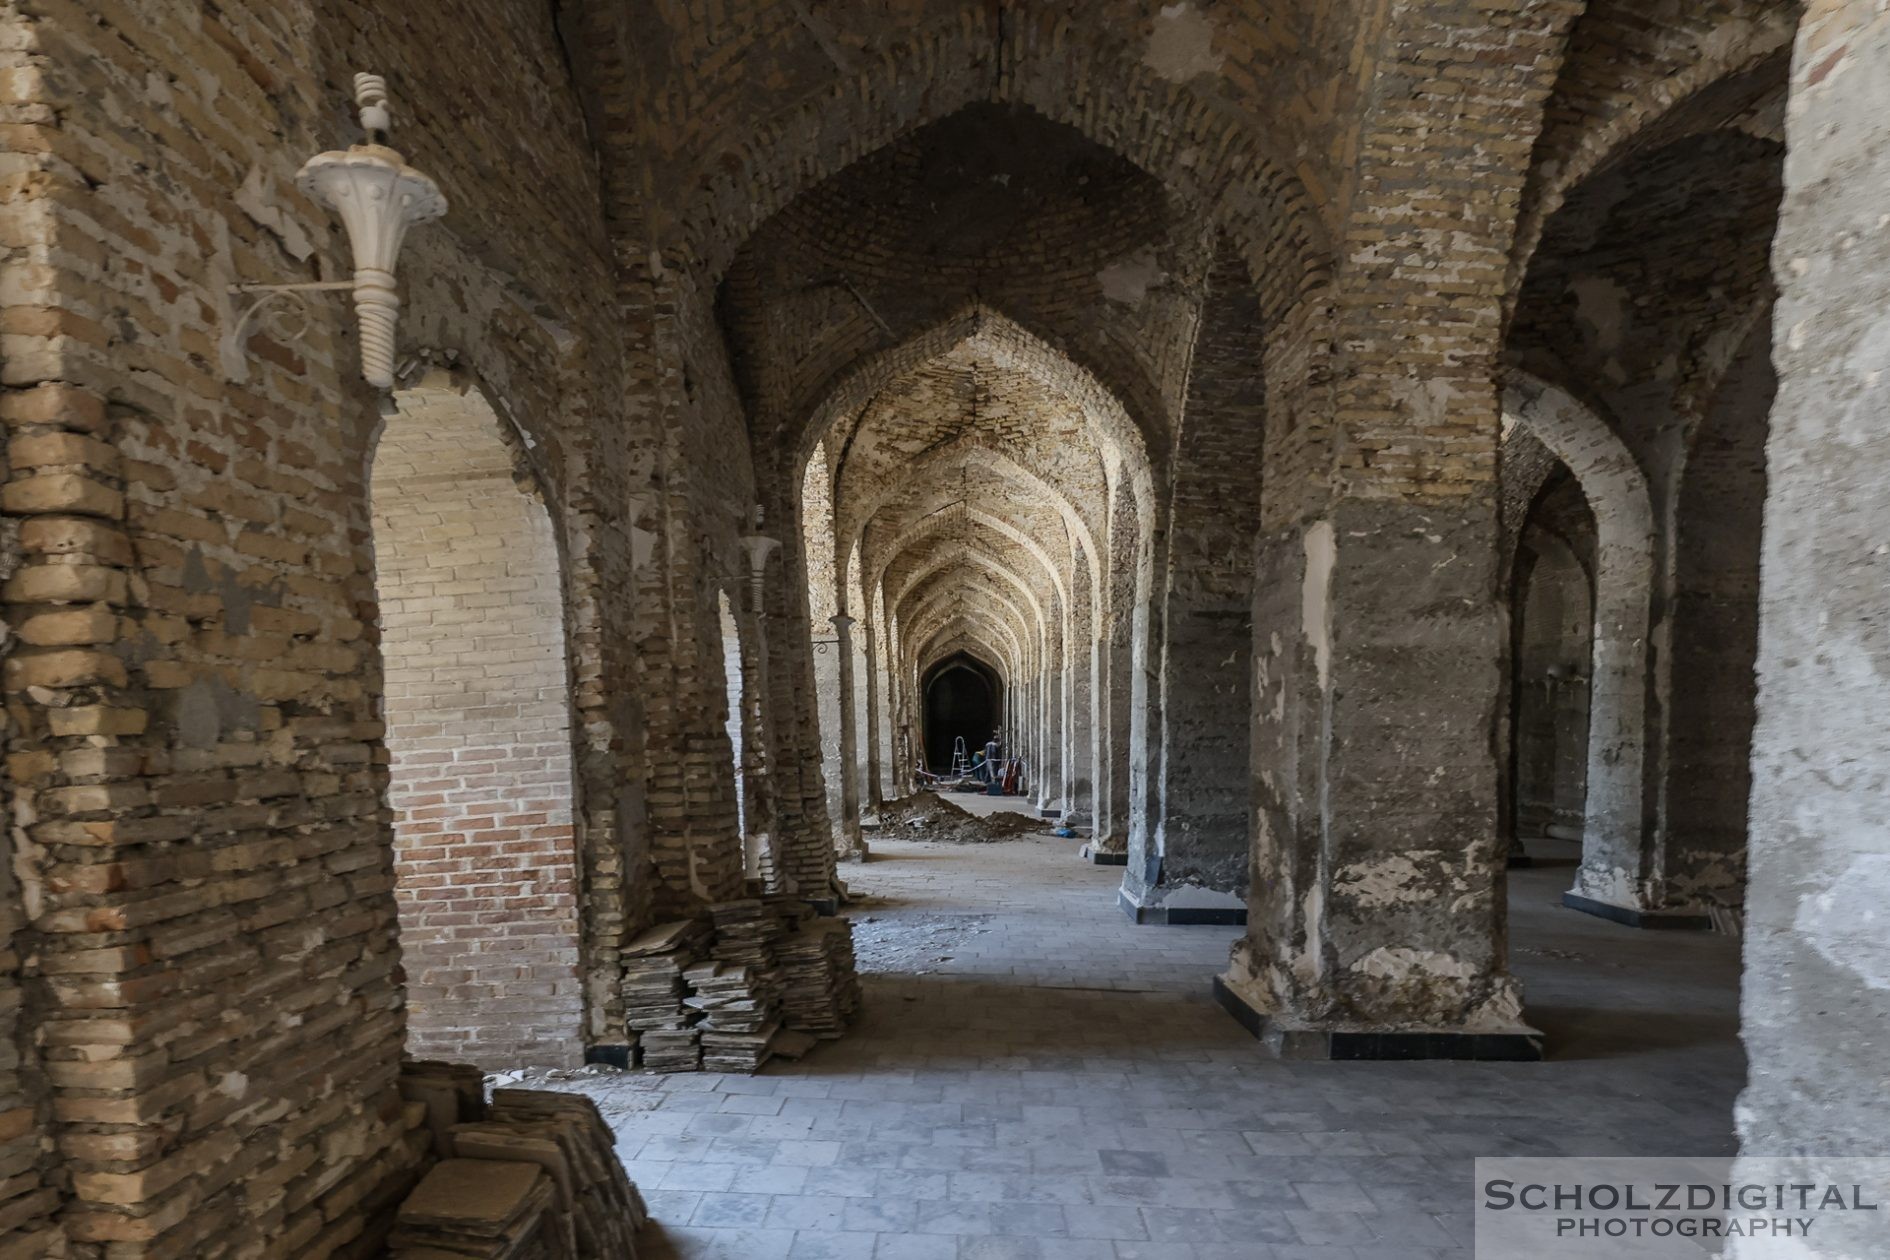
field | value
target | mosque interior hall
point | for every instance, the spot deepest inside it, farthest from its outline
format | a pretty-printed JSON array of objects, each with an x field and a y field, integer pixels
[{"x": 939, "y": 629}]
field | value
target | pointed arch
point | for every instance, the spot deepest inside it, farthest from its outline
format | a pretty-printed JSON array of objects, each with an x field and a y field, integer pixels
[{"x": 1614, "y": 860}]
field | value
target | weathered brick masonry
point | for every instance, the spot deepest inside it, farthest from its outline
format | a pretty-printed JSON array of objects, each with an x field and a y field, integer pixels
[{"x": 479, "y": 736}]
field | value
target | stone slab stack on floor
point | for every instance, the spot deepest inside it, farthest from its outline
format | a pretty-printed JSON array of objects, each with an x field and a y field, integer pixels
[
  {"x": 739, "y": 1020},
  {"x": 768, "y": 975},
  {"x": 567, "y": 1136},
  {"x": 822, "y": 988},
  {"x": 661, "y": 1027},
  {"x": 532, "y": 1176},
  {"x": 486, "y": 1208}
]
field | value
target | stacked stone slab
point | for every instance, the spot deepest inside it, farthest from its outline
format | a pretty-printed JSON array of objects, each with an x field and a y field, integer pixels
[
  {"x": 820, "y": 989},
  {"x": 450, "y": 1093},
  {"x": 532, "y": 1176},
  {"x": 567, "y": 1136},
  {"x": 768, "y": 974},
  {"x": 739, "y": 1017},
  {"x": 486, "y": 1208},
  {"x": 661, "y": 1026}
]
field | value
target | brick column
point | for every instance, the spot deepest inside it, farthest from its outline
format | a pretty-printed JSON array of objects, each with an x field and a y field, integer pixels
[
  {"x": 1050, "y": 768},
  {"x": 1376, "y": 912}
]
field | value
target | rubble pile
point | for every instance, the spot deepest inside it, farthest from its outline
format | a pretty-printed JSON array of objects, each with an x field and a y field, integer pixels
[{"x": 929, "y": 816}]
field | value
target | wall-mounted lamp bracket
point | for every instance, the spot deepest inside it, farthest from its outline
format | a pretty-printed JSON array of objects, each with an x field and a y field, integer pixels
[{"x": 378, "y": 197}]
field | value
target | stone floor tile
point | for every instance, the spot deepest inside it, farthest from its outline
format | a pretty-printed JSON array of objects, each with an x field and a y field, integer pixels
[
  {"x": 1064, "y": 1064},
  {"x": 826, "y": 1245},
  {"x": 915, "y": 1247}
]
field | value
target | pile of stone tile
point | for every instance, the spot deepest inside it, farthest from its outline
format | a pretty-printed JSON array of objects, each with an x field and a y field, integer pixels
[
  {"x": 757, "y": 980},
  {"x": 738, "y": 1019},
  {"x": 744, "y": 933},
  {"x": 491, "y": 1209},
  {"x": 452, "y": 1093},
  {"x": 536, "y": 1179},
  {"x": 653, "y": 993},
  {"x": 820, "y": 988}
]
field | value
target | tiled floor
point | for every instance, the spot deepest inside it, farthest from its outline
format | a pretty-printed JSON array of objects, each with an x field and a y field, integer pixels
[{"x": 1043, "y": 1080}]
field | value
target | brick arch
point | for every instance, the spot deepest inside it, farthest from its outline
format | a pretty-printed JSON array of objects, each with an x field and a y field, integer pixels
[
  {"x": 1210, "y": 158},
  {"x": 1598, "y": 135},
  {"x": 1616, "y": 489},
  {"x": 927, "y": 562},
  {"x": 918, "y": 531},
  {"x": 970, "y": 629},
  {"x": 965, "y": 644},
  {"x": 924, "y": 607},
  {"x": 998, "y": 464},
  {"x": 479, "y": 732},
  {"x": 959, "y": 566},
  {"x": 846, "y": 397}
]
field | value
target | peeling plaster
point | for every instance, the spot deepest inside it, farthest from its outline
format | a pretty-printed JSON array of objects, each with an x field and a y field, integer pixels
[
  {"x": 1322, "y": 554},
  {"x": 1128, "y": 280},
  {"x": 1613, "y": 885},
  {"x": 1392, "y": 881},
  {"x": 1405, "y": 965},
  {"x": 257, "y": 199},
  {"x": 1847, "y": 922},
  {"x": 1182, "y": 45}
]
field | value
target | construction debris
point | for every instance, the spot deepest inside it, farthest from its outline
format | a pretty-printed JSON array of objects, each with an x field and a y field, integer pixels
[{"x": 929, "y": 816}]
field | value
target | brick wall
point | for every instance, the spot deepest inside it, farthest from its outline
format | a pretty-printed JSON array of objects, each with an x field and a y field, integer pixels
[
  {"x": 479, "y": 736},
  {"x": 213, "y": 981}
]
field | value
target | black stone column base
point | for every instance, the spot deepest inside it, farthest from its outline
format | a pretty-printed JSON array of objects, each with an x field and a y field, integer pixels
[
  {"x": 1288, "y": 1041},
  {"x": 1181, "y": 916},
  {"x": 1660, "y": 920},
  {"x": 615, "y": 1056},
  {"x": 1100, "y": 858}
]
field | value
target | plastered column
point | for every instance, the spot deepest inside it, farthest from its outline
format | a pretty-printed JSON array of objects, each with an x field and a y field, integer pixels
[
  {"x": 1817, "y": 945},
  {"x": 847, "y": 827}
]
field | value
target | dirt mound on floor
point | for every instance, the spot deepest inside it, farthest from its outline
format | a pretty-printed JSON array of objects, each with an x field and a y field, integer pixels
[{"x": 929, "y": 816}]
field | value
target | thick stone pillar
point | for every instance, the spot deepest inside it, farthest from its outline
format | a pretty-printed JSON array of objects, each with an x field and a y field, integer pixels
[
  {"x": 1116, "y": 683},
  {"x": 847, "y": 839},
  {"x": 1817, "y": 944},
  {"x": 1081, "y": 721},
  {"x": 1200, "y": 840},
  {"x": 1114, "y": 714},
  {"x": 1203, "y": 669},
  {"x": 1372, "y": 918},
  {"x": 873, "y": 796},
  {"x": 1375, "y": 899},
  {"x": 1050, "y": 786}
]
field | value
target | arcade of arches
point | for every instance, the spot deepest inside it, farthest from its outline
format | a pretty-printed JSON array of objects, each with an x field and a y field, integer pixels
[{"x": 1368, "y": 463}]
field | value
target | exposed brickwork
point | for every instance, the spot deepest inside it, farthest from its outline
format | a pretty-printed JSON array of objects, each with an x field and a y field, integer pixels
[
  {"x": 209, "y": 871},
  {"x": 479, "y": 735}
]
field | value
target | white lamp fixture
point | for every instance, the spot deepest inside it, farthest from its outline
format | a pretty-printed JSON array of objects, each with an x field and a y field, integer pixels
[
  {"x": 378, "y": 197},
  {"x": 758, "y": 547}
]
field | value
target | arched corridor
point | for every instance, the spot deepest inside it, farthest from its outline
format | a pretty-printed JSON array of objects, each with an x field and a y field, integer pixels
[
  {"x": 467, "y": 572},
  {"x": 510, "y": 506}
]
